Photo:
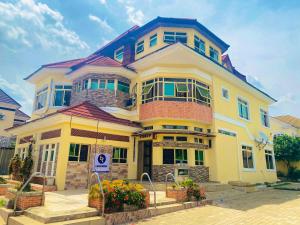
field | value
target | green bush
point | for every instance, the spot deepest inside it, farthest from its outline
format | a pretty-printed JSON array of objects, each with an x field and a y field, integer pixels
[
  {"x": 293, "y": 174},
  {"x": 280, "y": 174},
  {"x": 2, "y": 180},
  {"x": 2, "y": 203}
]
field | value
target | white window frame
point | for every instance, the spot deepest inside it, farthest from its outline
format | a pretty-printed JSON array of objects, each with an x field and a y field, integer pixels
[
  {"x": 216, "y": 52},
  {"x": 140, "y": 44},
  {"x": 253, "y": 156},
  {"x": 198, "y": 150},
  {"x": 64, "y": 90},
  {"x": 273, "y": 159},
  {"x": 248, "y": 106},
  {"x": 43, "y": 90},
  {"x": 49, "y": 150},
  {"x": 198, "y": 49},
  {"x": 152, "y": 37},
  {"x": 115, "y": 54},
  {"x": 262, "y": 110},
  {"x": 225, "y": 89}
]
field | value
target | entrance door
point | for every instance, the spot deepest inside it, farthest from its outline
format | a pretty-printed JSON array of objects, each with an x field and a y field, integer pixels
[
  {"x": 147, "y": 167},
  {"x": 48, "y": 159}
]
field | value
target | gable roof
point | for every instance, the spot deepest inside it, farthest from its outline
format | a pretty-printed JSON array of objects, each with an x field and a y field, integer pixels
[
  {"x": 5, "y": 98},
  {"x": 19, "y": 113},
  {"x": 294, "y": 121},
  {"x": 90, "y": 111}
]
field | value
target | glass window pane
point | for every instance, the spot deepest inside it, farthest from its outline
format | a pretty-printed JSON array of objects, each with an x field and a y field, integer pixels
[
  {"x": 147, "y": 89},
  {"x": 111, "y": 85},
  {"x": 102, "y": 84},
  {"x": 46, "y": 156},
  {"x": 168, "y": 156},
  {"x": 94, "y": 84},
  {"x": 58, "y": 99},
  {"x": 52, "y": 156},
  {"x": 67, "y": 98},
  {"x": 182, "y": 87},
  {"x": 153, "y": 40},
  {"x": 169, "y": 89},
  {"x": 84, "y": 153}
]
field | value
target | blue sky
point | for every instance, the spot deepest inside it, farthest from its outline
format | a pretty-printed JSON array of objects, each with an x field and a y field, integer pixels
[{"x": 264, "y": 37}]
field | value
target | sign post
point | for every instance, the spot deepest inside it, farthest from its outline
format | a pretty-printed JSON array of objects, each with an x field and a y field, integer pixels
[{"x": 102, "y": 162}]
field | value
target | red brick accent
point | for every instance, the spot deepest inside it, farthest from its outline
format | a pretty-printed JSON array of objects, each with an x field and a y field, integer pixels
[
  {"x": 179, "y": 195},
  {"x": 26, "y": 200},
  {"x": 176, "y": 110},
  {"x": 26, "y": 139},
  {"x": 51, "y": 134},
  {"x": 147, "y": 199},
  {"x": 92, "y": 134}
]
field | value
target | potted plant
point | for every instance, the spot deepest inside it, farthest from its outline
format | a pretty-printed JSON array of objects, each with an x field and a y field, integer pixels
[
  {"x": 15, "y": 167},
  {"x": 3, "y": 186}
]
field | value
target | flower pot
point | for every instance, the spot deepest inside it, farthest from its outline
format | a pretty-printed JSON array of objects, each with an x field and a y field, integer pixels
[
  {"x": 4, "y": 188},
  {"x": 180, "y": 195},
  {"x": 96, "y": 203}
]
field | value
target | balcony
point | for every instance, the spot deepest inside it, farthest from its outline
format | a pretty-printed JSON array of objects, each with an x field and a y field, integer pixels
[{"x": 176, "y": 110}]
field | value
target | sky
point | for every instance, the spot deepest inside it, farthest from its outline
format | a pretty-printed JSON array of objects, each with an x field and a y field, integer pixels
[{"x": 264, "y": 38}]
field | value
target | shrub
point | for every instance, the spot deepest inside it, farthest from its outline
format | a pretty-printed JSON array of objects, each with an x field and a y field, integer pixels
[
  {"x": 15, "y": 167},
  {"x": 2, "y": 203},
  {"x": 280, "y": 174},
  {"x": 293, "y": 174},
  {"x": 2, "y": 180},
  {"x": 119, "y": 192},
  {"x": 193, "y": 189}
]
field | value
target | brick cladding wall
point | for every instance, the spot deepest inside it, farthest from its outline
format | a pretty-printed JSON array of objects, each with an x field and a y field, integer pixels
[
  {"x": 197, "y": 173},
  {"x": 101, "y": 97},
  {"x": 77, "y": 172}
]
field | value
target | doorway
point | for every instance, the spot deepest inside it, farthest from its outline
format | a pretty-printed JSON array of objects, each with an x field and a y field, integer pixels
[{"x": 145, "y": 158}]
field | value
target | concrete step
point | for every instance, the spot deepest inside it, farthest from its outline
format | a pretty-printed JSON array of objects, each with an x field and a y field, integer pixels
[
  {"x": 42, "y": 215},
  {"x": 166, "y": 202},
  {"x": 25, "y": 220}
]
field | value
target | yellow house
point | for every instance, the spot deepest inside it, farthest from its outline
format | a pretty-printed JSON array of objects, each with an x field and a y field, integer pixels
[
  {"x": 160, "y": 98},
  {"x": 10, "y": 115},
  {"x": 288, "y": 125}
]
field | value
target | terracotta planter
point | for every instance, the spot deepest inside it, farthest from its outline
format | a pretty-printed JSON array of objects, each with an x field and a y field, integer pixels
[
  {"x": 202, "y": 192},
  {"x": 179, "y": 194},
  {"x": 4, "y": 188},
  {"x": 96, "y": 203},
  {"x": 26, "y": 199},
  {"x": 147, "y": 198}
]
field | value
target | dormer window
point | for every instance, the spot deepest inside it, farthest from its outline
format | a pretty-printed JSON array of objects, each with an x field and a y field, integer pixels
[
  {"x": 173, "y": 37},
  {"x": 62, "y": 95},
  {"x": 153, "y": 40},
  {"x": 213, "y": 54},
  {"x": 119, "y": 54},
  {"x": 41, "y": 98},
  {"x": 199, "y": 45},
  {"x": 140, "y": 47}
]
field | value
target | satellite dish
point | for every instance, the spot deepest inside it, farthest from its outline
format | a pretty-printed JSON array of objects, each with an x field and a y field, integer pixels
[{"x": 262, "y": 140}]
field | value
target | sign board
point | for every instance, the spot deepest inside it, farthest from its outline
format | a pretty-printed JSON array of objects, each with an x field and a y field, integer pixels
[{"x": 101, "y": 162}]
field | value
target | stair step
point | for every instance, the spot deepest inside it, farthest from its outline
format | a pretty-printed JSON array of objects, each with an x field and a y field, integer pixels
[
  {"x": 163, "y": 203},
  {"x": 25, "y": 220},
  {"x": 44, "y": 216}
]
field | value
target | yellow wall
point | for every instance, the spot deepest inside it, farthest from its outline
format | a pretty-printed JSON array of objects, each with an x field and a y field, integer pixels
[{"x": 7, "y": 121}]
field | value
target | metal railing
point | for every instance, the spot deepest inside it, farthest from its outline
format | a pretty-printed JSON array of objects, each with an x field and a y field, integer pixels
[
  {"x": 172, "y": 175},
  {"x": 24, "y": 185},
  {"x": 101, "y": 190},
  {"x": 151, "y": 184}
]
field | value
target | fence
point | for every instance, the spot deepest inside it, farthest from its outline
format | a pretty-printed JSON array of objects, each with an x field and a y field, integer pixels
[{"x": 5, "y": 155}]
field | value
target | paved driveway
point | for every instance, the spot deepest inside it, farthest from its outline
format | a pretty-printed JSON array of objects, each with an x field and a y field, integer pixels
[{"x": 263, "y": 208}]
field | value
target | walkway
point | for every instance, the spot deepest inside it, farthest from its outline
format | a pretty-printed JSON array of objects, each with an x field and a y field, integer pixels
[{"x": 265, "y": 207}]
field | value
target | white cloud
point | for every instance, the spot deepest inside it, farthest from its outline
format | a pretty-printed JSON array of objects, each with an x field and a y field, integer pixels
[
  {"x": 135, "y": 16},
  {"x": 20, "y": 91},
  {"x": 103, "y": 2},
  {"x": 104, "y": 41},
  {"x": 103, "y": 24},
  {"x": 29, "y": 23}
]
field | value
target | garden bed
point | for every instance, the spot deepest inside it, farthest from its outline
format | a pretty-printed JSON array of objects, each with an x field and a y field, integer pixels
[{"x": 26, "y": 199}]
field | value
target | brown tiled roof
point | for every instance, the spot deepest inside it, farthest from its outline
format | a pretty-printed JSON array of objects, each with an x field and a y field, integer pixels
[
  {"x": 5, "y": 98},
  {"x": 21, "y": 114},
  {"x": 64, "y": 64},
  {"x": 90, "y": 111}
]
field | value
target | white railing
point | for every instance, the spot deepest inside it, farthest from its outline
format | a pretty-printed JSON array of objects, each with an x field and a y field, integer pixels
[
  {"x": 101, "y": 190},
  {"x": 151, "y": 184}
]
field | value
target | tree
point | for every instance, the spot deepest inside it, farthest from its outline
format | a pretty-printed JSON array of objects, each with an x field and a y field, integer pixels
[
  {"x": 287, "y": 149},
  {"x": 15, "y": 167},
  {"x": 27, "y": 165}
]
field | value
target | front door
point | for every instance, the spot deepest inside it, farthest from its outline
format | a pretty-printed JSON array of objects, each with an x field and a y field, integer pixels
[
  {"x": 48, "y": 159},
  {"x": 147, "y": 167}
]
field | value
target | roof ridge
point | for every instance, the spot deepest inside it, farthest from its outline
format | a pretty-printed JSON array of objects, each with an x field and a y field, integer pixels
[{"x": 71, "y": 60}]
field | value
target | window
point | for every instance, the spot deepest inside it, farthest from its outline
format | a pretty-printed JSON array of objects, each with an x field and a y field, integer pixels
[
  {"x": 225, "y": 93},
  {"x": 181, "y": 139},
  {"x": 110, "y": 85},
  {"x": 94, "y": 84},
  {"x": 22, "y": 153},
  {"x": 2, "y": 116},
  {"x": 119, "y": 53},
  {"x": 180, "y": 156},
  {"x": 209, "y": 143},
  {"x": 199, "y": 158},
  {"x": 175, "y": 89},
  {"x": 41, "y": 98},
  {"x": 78, "y": 153},
  {"x": 198, "y": 140},
  {"x": 168, "y": 156},
  {"x": 139, "y": 47},
  {"x": 247, "y": 157},
  {"x": 243, "y": 109},
  {"x": 62, "y": 95},
  {"x": 227, "y": 132},
  {"x": 173, "y": 37},
  {"x": 199, "y": 45},
  {"x": 102, "y": 84},
  {"x": 77, "y": 87},
  {"x": 119, "y": 155},
  {"x": 269, "y": 159},
  {"x": 124, "y": 87},
  {"x": 213, "y": 54},
  {"x": 85, "y": 84},
  {"x": 264, "y": 117},
  {"x": 168, "y": 138},
  {"x": 153, "y": 40},
  {"x": 175, "y": 127},
  {"x": 198, "y": 129},
  {"x": 148, "y": 128}
]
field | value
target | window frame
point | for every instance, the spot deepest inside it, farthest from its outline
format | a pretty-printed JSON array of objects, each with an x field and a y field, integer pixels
[
  {"x": 79, "y": 153},
  {"x": 240, "y": 99},
  {"x": 42, "y": 93},
  {"x": 176, "y": 36},
  {"x": 200, "y": 42},
  {"x": 253, "y": 158},
  {"x": 198, "y": 162},
  {"x": 140, "y": 47},
  {"x": 266, "y": 120},
  {"x": 222, "y": 93},
  {"x": 119, "y": 52},
  {"x": 65, "y": 88},
  {"x": 153, "y": 37},
  {"x": 216, "y": 56},
  {"x": 270, "y": 154},
  {"x": 118, "y": 160}
]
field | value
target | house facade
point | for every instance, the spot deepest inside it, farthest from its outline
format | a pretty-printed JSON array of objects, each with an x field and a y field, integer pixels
[
  {"x": 10, "y": 115},
  {"x": 159, "y": 98}
]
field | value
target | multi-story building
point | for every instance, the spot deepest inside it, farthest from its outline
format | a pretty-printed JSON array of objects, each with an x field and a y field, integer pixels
[
  {"x": 159, "y": 98},
  {"x": 288, "y": 125},
  {"x": 10, "y": 115}
]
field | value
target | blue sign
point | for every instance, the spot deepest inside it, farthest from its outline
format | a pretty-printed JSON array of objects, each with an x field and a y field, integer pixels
[{"x": 101, "y": 162}]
